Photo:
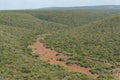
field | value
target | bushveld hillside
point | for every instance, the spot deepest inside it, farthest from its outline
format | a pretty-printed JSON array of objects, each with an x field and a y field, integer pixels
[{"x": 92, "y": 37}]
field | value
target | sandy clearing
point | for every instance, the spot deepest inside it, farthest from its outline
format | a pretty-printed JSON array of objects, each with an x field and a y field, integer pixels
[{"x": 49, "y": 56}]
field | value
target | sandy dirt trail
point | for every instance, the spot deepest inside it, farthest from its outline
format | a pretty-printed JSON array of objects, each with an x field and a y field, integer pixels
[{"x": 49, "y": 56}]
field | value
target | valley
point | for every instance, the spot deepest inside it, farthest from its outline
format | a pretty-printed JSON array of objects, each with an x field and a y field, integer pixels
[{"x": 63, "y": 44}]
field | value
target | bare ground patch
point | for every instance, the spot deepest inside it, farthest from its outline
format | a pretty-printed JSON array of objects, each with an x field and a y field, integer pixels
[{"x": 52, "y": 57}]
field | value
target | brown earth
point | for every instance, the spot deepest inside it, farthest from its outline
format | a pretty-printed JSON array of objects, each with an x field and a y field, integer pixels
[
  {"x": 52, "y": 57},
  {"x": 117, "y": 73}
]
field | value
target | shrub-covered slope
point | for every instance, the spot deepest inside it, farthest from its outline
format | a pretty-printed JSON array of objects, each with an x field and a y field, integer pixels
[
  {"x": 95, "y": 44},
  {"x": 17, "y": 61},
  {"x": 71, "y": 17}
]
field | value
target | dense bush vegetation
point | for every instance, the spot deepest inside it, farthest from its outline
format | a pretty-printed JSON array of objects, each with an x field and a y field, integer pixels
[
  {"x": 73, "y": 17},
  {"x": 92, "y": 37},
  {"x": 93, "y": 45}
]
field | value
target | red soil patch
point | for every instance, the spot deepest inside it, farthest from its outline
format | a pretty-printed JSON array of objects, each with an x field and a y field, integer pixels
[
  {"x": 117, "y": 73},
  {"x": 49, "y": 56}
]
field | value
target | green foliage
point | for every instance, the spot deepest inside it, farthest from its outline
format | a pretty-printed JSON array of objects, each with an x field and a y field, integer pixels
[
  {"x": 70, "y": 17},
  {"x": 87, "y": 36}
]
